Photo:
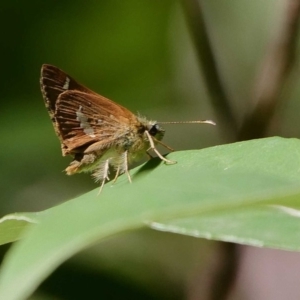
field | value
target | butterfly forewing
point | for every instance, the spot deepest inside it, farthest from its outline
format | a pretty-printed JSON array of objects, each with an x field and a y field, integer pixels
[
  {"x": 53, "y": 83},
  {"x": 80, "y": 116}
]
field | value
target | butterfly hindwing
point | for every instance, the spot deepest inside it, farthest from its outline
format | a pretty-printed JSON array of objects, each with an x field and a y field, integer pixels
[{"x": 82, "y": 120}]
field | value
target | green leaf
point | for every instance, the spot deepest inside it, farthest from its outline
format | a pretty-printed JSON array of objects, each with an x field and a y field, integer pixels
[
  {"x": 273, "y": 226},
  {"x": 12, "y": 226},
  {"x": 240, "y": 192}
]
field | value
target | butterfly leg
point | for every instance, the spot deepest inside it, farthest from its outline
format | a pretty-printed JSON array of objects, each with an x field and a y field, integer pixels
[
  {"x": 105, "y": 172},
  {"x": 126, "y": 166},
  {"x": 152, "y": 147},
  {"x": 117, "y": 174},
  {"x": 123, "y": 167}
]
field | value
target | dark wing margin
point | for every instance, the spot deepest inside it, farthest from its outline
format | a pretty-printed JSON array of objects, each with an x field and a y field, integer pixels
[{"x": 53, "y": 83}]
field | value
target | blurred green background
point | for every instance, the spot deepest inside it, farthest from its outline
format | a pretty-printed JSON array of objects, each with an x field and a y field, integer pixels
[
  {"x": 140, "y": 54},
  {"x": 136, "y": 53}
]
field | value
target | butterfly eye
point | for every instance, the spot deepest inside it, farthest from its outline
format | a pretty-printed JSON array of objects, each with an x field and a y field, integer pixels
[
  {"x": 153, "y": 130},
  {"x": 156, "y": 130}
]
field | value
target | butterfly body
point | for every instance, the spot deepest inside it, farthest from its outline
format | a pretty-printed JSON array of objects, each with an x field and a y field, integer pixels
[
  {"x": 96, "y": 131},
  {"x": 130, "y": 139}
]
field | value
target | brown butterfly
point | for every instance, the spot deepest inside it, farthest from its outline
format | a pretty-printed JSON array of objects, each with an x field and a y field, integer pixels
[{"x": 96, "y": 131}]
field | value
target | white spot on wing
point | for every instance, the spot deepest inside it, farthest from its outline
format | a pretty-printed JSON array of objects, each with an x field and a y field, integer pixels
[
  {"x": 67, "y": 82},
  {"x": 84, "y": 124},
  {"x": 89, "y": 131}
]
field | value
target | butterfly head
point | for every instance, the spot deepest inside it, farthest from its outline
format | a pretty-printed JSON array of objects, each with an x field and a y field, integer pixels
[{"x": 155, "y": 130}]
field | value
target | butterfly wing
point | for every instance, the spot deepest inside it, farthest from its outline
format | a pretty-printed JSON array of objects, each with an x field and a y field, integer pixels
[
  {"x": 80, "y": 116},
  {"x": 53, "y": 83},
  {"x": 84, "y": 119}
]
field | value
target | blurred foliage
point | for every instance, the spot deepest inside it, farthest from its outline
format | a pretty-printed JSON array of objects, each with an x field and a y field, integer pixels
[
  {"x": 120, "y": 49},
  {"x": 137, "y": 53}
]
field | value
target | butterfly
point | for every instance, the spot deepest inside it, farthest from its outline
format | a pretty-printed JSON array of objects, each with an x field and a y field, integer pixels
[{"x": 97, "y": 132}]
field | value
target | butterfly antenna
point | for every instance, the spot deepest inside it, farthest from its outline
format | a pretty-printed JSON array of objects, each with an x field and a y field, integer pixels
[{"x": 190, "y": 122}]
